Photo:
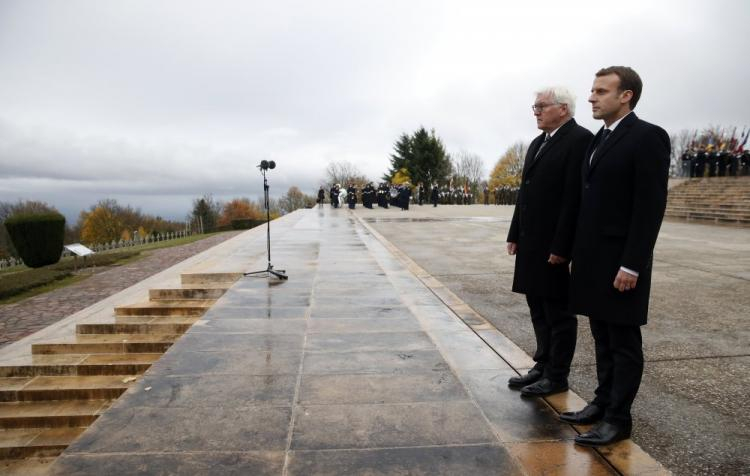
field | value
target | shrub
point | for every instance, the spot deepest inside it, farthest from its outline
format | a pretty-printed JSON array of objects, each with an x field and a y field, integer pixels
[
  {"x": 246, "y": 223},
  {"x": 97, "y": 259},
  {"x": 38, "y": 237}
]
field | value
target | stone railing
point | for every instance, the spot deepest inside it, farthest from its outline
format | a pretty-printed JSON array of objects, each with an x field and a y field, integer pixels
[{"x": 113, "y": 245}]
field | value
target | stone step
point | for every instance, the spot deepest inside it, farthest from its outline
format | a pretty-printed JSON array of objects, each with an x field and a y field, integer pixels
[
  {"x": 80, "y": 387},
  {"x": 710, "y": 201},
  {"x": 74, "y": 364},
  {"x": 107, "y": 344},
  {"x": 51, "y": 414},
  {"x": 25, "y": 443},
  {"x": 185, "y": 294},
  {"x": 133, "y": 328},
  {"x": 155, "y": 319},
  {"x": 737, "y": 202},
  {"x": 710, "y": 219},
  {"x": 209, "y": 278},
  {"x": 709, "y": 211},
  {"x": 166, "y": 308},
  {"x": 31, "y": 466},
  {"x": 715, "y": 211}
]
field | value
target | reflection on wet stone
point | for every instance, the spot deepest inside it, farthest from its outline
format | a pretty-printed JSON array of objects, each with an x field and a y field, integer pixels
[{"x": 353, "y": 366}]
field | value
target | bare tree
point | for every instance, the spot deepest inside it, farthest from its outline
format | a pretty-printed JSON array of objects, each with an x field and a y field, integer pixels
[
  {"x": 680, "y": 143},
  {"x": 469, "y": 166},
  {"x": 344, "y": 172},
  {"x": 294, "y": 199}
]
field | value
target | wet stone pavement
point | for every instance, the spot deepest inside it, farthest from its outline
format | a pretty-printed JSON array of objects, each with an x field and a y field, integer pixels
[
  {"x": 689, "y": 414},
  {"x": 353, "y": 366},
  {"x": 23, "y": 318}
]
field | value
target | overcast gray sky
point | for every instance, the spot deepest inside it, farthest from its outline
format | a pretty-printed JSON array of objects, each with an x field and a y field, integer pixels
[{"x": 154, "y": 103}]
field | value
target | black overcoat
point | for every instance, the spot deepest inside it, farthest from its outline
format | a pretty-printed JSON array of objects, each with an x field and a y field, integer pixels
[
  {"x": 546, "y": 209},
  {"x": 623, "y": 197}
]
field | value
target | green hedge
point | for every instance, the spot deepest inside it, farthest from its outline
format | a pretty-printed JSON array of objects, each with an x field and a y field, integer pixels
[
  {"x": 38, "y": 237},
  {"x": 97, "y": 259},
  {"x": 246, "y": 223}
]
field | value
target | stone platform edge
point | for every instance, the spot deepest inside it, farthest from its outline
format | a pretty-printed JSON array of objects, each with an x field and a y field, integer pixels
[{"x": 626, "y": 457}]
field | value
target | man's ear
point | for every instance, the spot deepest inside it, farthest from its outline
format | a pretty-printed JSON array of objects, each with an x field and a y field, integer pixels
[{"x": 626, "y": 96}]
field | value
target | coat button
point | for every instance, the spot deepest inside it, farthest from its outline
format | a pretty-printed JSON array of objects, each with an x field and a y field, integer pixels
[
  {"x": 586, "y": 186},
  {"x": 528, "y": 182}
]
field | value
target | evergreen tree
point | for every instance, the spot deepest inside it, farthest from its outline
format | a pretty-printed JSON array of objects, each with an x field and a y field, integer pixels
[
  {"x": 402, "y": 154},
  {"x": 206, "y": 213},
  {"x": 423, "y": 157}
]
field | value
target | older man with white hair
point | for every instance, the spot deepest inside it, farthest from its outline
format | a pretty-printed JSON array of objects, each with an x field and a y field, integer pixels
[{"x": 541, "y": 237}]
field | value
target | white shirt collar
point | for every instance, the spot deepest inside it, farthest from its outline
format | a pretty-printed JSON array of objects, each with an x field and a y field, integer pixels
[
  {"x": 617, "y": 122},
  {"x": 553, "y": 132}
]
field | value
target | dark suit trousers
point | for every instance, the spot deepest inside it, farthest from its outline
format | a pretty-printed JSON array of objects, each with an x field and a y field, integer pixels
[
  {"x": 556, "y": 331},
  {"x": 619, "y": 368}
]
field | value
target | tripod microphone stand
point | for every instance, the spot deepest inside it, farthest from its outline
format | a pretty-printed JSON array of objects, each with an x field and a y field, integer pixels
[{"x": 269, "y": 271}]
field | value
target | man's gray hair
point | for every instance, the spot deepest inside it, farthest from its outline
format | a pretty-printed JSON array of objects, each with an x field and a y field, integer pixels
[{"x": 560, "y": 95}]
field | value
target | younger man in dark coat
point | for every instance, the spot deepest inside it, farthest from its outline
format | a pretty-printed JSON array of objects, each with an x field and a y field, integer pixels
[{"x": 624, "y": 195}]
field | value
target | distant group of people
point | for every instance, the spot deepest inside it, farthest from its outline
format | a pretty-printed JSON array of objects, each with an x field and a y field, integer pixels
[
  {"x": 710, "y": 161},
  {"x": 401, "y": 195},
  {"x": 384, "y": 196},
  {"x": 503, "y": 195}
]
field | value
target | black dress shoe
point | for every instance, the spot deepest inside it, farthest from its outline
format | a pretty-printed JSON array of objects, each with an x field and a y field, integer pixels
[
  {"x": 604, "y": 434},
  {"x": 590, "y": 414},
  {"x": 543, "y": 387},
  {"x": 523, "y": 380}
]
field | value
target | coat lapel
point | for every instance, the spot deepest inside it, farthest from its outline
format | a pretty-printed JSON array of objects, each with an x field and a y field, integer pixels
[
  {"x": 533, "y": 148},
  {"x": 564, "y": 129},
  {"x": 601, "y": 150}
]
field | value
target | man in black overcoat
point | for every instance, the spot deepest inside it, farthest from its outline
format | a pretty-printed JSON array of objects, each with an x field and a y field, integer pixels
[
  {"x": 434, "y": 195},
  {"x": 321, "y": 196},
  {"x": 541, "y": 236},
  {"x": 351, "y": 196},
  {"x": 623, "y": 198}
]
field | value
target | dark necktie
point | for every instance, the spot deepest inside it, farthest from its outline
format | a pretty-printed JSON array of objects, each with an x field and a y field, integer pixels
[
  {"x": 605, "y": 134},
  {"x": 546, "y": 138}
]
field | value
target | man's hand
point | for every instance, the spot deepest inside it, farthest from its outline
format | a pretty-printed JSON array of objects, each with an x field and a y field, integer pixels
[
  {"x": 625, "y": 281},
  {"x": 554, "y": 259},
  {"x": 512, "y": 248}
]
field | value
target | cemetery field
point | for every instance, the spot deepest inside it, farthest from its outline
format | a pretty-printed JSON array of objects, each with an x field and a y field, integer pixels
[{"x": 20, "y": 282}]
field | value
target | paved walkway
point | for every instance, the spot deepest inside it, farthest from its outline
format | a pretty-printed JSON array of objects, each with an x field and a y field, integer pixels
[
  {"x": 688, "y": 414},
  {"x": 23, "y": 318},
  {"x": 361, "y": 363}
]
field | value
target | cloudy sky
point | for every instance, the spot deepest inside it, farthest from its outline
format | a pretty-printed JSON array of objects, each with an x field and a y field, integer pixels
[{"x": 154, "y": 103}]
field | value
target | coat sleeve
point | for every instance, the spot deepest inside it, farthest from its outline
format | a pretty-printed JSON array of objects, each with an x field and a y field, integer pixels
[
  {"x": 513, "y": 233},
  {"x": 651, "y": 163},
  {"x": 562, "y": 241}
]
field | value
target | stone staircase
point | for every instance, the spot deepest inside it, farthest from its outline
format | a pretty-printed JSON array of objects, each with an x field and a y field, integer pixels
[
  {"x": 47, "y": 401},
  {"x": 724, "y": 200}
]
